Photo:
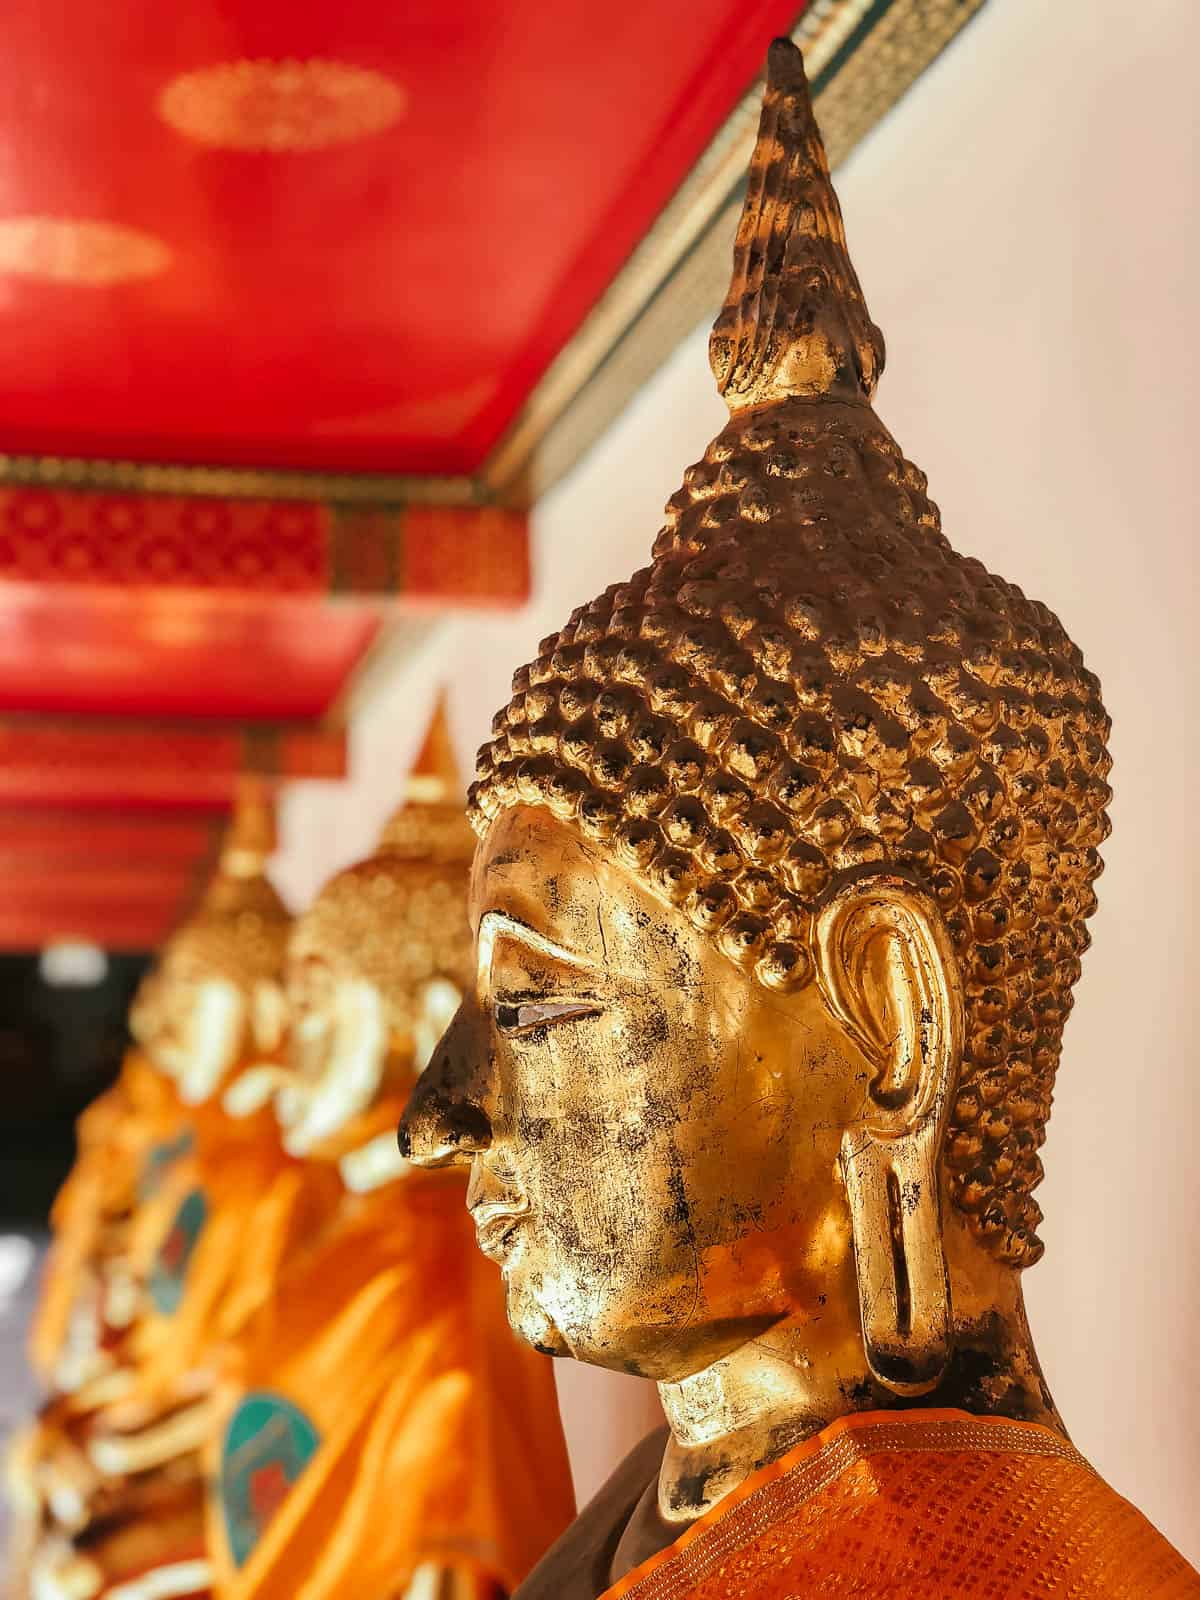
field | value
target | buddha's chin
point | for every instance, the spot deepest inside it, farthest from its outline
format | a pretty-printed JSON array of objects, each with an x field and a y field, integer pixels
[{"x": 530, "y": 1321}]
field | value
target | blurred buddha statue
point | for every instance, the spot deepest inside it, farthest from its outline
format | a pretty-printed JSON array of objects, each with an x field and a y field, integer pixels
[
  {"x": 786, "y": 851},
  {"x": 215, "y": 996},
  {"x": 125, "y": 1141},
  {"x": 382, "y": 1432},
  {"x": 117, "y": 1464},
  {"x": 188, "y": 1021}
]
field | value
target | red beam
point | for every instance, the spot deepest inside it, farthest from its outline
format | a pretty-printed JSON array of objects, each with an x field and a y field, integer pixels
[
  {"x": 120, "y": 904},
  {"x": 44, "y": 886},
  {"x": 132, "y": 766},
  {"x": 111, "y": 927},
  {"x": 80, "y": 837}
]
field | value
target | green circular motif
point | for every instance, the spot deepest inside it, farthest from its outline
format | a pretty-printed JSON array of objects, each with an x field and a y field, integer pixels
[
  {"x": 170, "y": 1265},
  {"x": 160, "y": 1158},
  {"x": 267, "y": 1445}
]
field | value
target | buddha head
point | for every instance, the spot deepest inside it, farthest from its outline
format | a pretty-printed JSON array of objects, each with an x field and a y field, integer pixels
[
  {"x": 786, "y": 850},
  {"x": 214, "y": 994},
  {"x": 377, "y": 965}
]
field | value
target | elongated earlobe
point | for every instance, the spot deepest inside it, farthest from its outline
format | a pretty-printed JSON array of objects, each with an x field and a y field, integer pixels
[
  {"x": 903, "y": 1291},
  {"x": 888, "y": 972}
]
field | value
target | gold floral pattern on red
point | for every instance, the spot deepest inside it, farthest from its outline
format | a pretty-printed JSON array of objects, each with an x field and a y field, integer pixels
[
  {"x": 469, "y": 555},
  {"x": 57, "y": 536},
  {"x": 281, "y": 106},
  {"x": 72, "y": 250}
]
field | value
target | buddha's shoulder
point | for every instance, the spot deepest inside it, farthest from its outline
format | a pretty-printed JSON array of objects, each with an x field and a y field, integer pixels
[{"x": 922, "y": 1505}]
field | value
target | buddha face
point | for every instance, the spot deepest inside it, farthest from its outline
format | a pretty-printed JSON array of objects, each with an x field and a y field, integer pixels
[
  {"x": 192, "y": 1023},
  {"x": 338, "y": 1048},
  {"x": 654, "y": 1137}
]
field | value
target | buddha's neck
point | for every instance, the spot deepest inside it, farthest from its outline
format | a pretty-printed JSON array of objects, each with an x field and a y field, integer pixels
[{"x": 767, "y": 1396}]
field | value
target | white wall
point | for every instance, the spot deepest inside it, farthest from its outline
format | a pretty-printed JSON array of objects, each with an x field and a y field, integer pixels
[{"x": 1024, "y": 226}]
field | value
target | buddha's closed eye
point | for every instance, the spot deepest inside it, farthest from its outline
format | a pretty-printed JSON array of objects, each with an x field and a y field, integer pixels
[{"x": 517, "y": 1017}]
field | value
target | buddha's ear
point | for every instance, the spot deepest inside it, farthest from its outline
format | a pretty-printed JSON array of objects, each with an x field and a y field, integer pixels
[
  {"x": 888, "y": 972},
  {"x": 217, "y": 1030}
]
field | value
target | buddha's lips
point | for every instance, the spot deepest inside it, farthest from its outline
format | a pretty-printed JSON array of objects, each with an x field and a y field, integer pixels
[{"x": 495, "y": 1225}]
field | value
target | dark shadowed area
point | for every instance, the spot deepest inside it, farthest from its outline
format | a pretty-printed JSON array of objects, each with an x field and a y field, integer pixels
[{"x": 60, "y": 1045}]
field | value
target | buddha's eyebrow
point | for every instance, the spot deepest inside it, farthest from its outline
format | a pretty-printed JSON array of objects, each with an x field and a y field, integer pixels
[{"x": 494, "y": 923}]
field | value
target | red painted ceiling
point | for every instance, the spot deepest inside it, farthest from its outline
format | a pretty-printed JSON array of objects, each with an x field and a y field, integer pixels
[
  {"x": 386, "y": 302},
  {"x": 383, "y": 303}
]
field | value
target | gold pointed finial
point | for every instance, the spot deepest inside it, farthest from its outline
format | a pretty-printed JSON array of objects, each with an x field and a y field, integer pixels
[
  {"x": 238, "y": 928},
  {"x": 794, "y": 323},
  {"x": 251, "y": 838},
  {"x": 431, "y": 822},
  {"x": 435, "y": 779}
]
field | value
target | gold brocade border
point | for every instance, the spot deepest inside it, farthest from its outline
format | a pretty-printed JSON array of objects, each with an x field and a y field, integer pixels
[
  {"x": 778, "y": 1491},
  {"x": 235, "y": 483},
  {"x": 862, "y": 56}
]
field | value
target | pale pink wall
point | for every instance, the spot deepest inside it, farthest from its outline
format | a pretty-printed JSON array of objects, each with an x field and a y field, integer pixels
[
  {"x": 1024, "y": 226},
  {"x": 1026, "y": 229}
]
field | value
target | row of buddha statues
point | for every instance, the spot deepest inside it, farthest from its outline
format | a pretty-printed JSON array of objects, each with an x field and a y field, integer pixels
[
  {"x": 714, "y": 1044},
  {"x": 276, "y": 1362}
]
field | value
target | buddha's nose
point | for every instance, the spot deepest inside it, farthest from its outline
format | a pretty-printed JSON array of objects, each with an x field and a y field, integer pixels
[{"x": 446, "y": 1120}]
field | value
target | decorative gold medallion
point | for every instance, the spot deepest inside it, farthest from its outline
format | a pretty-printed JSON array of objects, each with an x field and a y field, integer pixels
[
  {"x": 280, "y": 105},
  {"x": 79, "y": 251}
]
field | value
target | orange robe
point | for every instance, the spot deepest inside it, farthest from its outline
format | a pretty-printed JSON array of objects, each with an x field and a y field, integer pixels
[
  {"x": 212, "y": 1245},
  {"x": 379, "y": 1415},
  {"x": 209, "y": 1246},
  {"x": 126, "y": 1140},
  {"x": 925, "y": 1504}
]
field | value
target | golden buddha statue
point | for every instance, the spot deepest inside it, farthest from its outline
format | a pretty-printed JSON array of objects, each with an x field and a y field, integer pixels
[
  {"x": 381, "y": 1430},
  {"x": 214, "y": 994},
  {"x": 126, "y": 1141},
  {"x": 786, "y": 851},
  {"x": 190, "y": 1015},
  {"x": 115, "y": 1464},
  {"x": 212, "y": 1007}
]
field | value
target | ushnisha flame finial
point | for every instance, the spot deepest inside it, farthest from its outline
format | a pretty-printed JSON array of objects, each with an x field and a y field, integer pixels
[
  {"x": 435, "y": 778},
  {"x": 794, "y": 323},
  {"x": 240, "y": 925},
  {"x": 430, "y": 822},
  {"x": 251, "y": 838}
]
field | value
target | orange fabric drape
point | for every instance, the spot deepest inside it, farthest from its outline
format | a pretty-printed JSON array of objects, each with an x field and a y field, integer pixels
[
  {"x": 379, "y": 1414},
  {"x": 925, "y": 1504},
  {"x": 116, "y": 1139},
  {"x": 218, "y": 1236}
]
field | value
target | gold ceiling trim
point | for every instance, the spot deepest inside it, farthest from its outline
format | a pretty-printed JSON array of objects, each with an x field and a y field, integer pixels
[
  {"x": 862, "y": 56},
  {"x": 250, "y": 483}
]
